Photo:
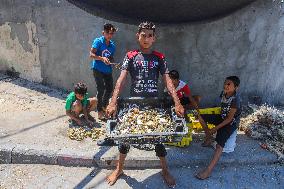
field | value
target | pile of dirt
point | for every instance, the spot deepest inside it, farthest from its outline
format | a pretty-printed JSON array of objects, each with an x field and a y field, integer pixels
[{"x": 265, "y": 123}]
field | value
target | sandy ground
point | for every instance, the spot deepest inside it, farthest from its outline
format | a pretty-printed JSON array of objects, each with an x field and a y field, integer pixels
[{"x": 31, "y": 112}]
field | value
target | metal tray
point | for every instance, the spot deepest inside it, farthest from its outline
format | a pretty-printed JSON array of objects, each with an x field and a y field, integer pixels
[{"x": 148, "y": 138}]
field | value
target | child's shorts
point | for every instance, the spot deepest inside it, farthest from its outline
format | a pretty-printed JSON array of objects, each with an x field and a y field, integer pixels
[
  {"x": 159, "y": 149},
  {"x": 224, "y": 133},
  {"x": 184, "y": 101}
]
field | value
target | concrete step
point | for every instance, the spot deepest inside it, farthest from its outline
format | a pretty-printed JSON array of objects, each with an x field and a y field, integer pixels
[{"x": 247, "y": 152}]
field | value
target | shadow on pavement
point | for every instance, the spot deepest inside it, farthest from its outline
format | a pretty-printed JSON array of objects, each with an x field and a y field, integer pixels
[
  {"x": 31, "y": 127},
  {"x": 95, "y": 171},
  {"x": 88, "y": 178}
]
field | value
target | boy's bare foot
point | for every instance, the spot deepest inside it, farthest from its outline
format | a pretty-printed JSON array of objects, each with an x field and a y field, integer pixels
[
  {"x": 101, "y": 115},
  {"x": 203, "y": 174},
  {"x": 112, "y": 178},
  {"x": 168, "y": 179},
  {"x": 208, "y": 140}
]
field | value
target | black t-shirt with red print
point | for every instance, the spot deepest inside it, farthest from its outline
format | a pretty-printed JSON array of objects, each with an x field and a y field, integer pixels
[{"x": 144, "y": 70}]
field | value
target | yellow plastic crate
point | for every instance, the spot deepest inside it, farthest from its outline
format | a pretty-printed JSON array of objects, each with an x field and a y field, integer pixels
[
  {"x": 214, "y": 110},
  {"x": 183, "y": 143},
  {"x": 195, "y": 125},
  {"x": 185, "y": 140}
]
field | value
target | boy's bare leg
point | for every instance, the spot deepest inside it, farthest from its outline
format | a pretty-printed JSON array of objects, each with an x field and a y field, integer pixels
[
  {"x": 101, "y": 115},
  {"x": 112, "y": 178},
  {"x": 93, "y": 103},
  {"x": 92, "y": 106},
  {"x": 75, "y": 117},
  {"x": 207, "y": 172},
  {"x": 166, "y": 174},
  {"x": 104, "y": 109},
  {"x": 76, "y": 110},
  {"x": 208, "y": 137},
  {"x": 77, "y": 107}
]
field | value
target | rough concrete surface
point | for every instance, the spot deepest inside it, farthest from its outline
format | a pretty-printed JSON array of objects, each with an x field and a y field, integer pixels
[
  {"x": 223, "y": 177},
  {"x": 33, "y": 129},
  {"x": 55, "y": 37}
]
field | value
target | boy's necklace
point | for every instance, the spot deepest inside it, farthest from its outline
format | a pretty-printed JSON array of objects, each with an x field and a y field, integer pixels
[{"x": 226, "y": 95}]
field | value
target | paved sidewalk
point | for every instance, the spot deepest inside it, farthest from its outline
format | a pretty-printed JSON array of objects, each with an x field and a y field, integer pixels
[
  {"x": 33, "y": 130},
  {"x": 34, "y": 176}
]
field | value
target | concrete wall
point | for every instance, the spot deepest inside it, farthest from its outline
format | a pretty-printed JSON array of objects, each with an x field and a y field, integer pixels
[{"x": 49, "y": 41}]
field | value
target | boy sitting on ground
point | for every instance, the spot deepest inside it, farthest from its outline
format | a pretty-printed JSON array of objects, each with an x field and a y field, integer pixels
[
  {"x": 77, "y": 102},
  {"x": 183, "y": 91},
  {"x": 226, "y": 123},
  {"x": 187, "y": 100}
]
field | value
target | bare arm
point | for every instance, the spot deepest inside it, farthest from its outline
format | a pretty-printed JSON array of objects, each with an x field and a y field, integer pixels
[
  {"x": 93, "y": 54},
  {"x": 73, "y": 116},
  {"x": 85, "y": 113},
  {"x": 111, "y": 108},
  {"x": 192, "y": 101},
  {"x": 96, "y": 57},
  {"x": 228, "y": 119},
  {"x": 178, "y": 107},
  {"x": 119, "y": 84},
  {"x": 171, "y": 88}
]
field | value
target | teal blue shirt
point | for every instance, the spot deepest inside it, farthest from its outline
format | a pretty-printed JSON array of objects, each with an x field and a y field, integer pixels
[{"x": 103, "y": 50}]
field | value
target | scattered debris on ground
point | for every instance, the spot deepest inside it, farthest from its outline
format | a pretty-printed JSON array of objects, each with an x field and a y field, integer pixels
[
  {"x": 80, "y": 133},
  {"x": 265, "y": 123}
]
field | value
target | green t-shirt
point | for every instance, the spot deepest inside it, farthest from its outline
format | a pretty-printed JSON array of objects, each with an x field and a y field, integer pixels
[{"x": 71, "y": 98}]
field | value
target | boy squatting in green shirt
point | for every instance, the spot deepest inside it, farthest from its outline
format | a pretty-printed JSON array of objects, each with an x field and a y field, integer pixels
[{"x": 77, "y": 102}]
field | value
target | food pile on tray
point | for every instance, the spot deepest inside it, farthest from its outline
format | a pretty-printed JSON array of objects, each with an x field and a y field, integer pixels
[{"x": 146, "y": 121}]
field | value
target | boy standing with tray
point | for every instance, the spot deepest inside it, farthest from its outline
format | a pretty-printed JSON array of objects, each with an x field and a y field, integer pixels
[{"x": 144, "y": 66}]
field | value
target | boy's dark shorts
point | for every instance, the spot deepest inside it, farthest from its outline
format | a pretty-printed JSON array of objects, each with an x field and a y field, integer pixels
[
  {"x": 159, "y": 149},
  {"x": 224, "y": 133},
  {"x": 184, "y": 101}
]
